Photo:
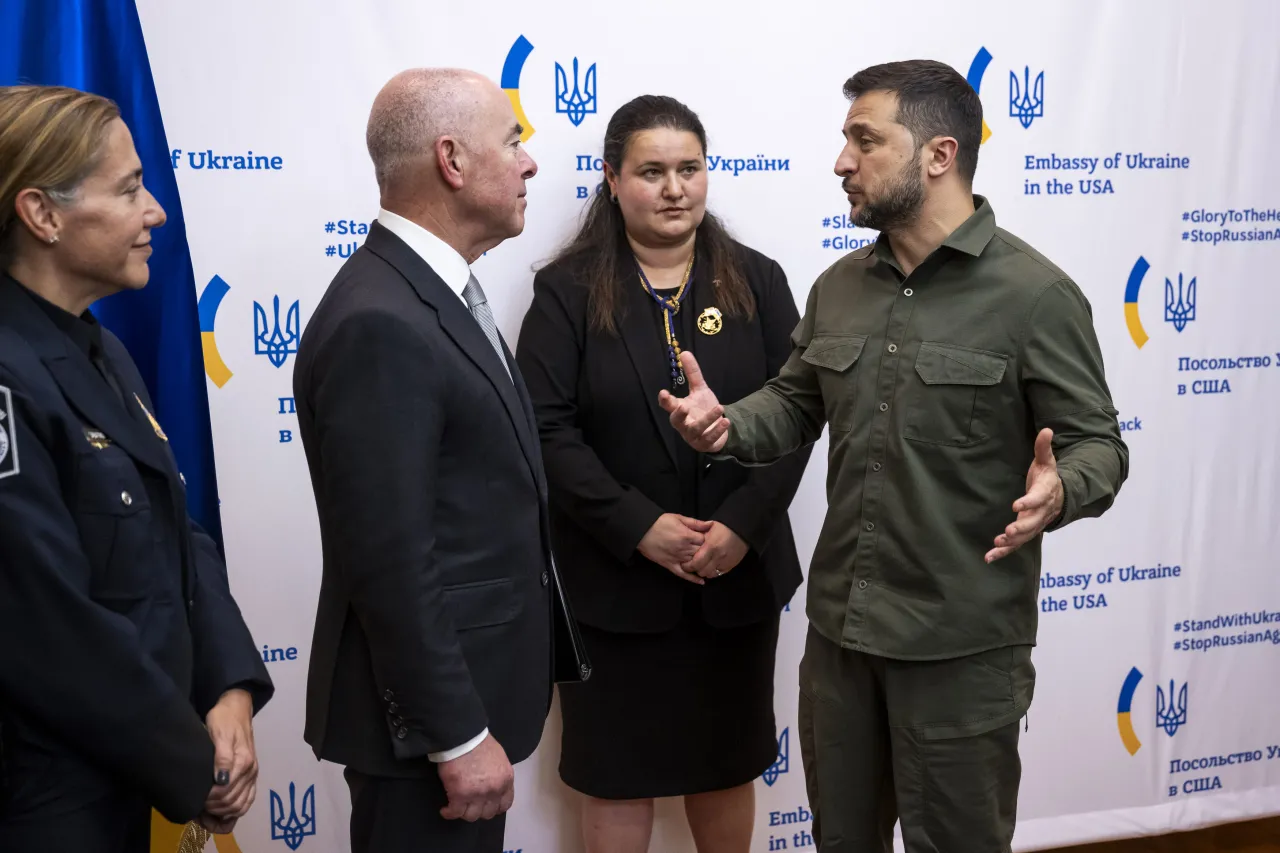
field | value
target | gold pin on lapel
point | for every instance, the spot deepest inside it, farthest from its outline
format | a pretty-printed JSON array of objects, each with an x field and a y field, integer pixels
[
  {"x": 710, "y": 321},
  {"x": 154, "y": 424},
  {"x": 97, "y": 439}
]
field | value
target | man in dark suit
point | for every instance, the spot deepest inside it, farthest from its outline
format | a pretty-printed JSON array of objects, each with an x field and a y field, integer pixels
[{"x": 431, "y": 667}]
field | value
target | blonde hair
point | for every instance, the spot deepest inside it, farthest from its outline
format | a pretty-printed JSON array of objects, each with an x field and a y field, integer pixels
[{"x": 51, "y": 139}]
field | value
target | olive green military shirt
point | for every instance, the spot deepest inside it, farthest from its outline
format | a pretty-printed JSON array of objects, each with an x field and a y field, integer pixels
[{"x": 934, "y": 386}]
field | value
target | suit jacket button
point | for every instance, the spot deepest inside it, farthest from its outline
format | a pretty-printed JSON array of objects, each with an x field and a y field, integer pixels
[
  {"x": 402, "y": 732},
  {"x": 393, "y": 707},
  {"x": 546, "y": 579},
  {"x": 126, "y": 499},
  {"x": 397, "y": 722},
  {"x": 388, "y": 695}
]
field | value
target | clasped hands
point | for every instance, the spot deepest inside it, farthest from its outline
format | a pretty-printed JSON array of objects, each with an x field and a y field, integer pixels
[
  {"x": 692, "y": 550},
  {"x": 235, "y": 763}
]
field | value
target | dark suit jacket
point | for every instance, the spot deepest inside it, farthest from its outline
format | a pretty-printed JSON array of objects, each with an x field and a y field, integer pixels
[
  {"x": 435, "y": 607},
  {"x": 118, "y": 632},
  {"x": 611, "y": 450}
]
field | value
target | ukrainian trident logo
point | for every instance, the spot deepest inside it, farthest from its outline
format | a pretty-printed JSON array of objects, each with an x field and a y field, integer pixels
[
  {"x": 270, "y": 340},
  {"x": 1171, "y": 715},
  {"x": 1026, "y": 100},
  {"x": 783, "y": 764},
  {"x": 1180, "y": 308},
  {"x": 579, "y": 102},
  {"x": 293, "y": 828}
]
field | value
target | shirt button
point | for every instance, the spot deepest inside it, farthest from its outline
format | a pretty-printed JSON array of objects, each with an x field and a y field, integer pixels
[
  {"x": 908, "y": 292},
  {"x": 884, "y": 407},
  {"x": 862, "y": 584},
  {"x": 126, "y": 499},
  {"x": 875, "y": 466},
  {"x": 893, "y": 347},
  {"x": 871, "y": 525}
]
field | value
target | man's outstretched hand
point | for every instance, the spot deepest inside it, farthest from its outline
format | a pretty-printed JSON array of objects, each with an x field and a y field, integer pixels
[{"x": 698, "y": 417}]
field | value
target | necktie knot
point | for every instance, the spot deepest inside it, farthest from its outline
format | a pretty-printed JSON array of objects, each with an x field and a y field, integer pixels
[
  {"x": 479, "y": 305},
  {"x": 474, "y": 294}
]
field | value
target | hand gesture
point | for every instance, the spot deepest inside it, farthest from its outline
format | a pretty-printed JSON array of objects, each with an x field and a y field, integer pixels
[
  {"x": 720, "y": 553},
  {"x": 698, "y": 417},
  {"x": 1039, "y": 506},
  {"x": 674, "y": 540},
  {"x": 480, "y": 785}
]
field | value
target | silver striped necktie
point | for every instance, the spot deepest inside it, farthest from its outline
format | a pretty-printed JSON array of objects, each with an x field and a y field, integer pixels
[{"x": 479, "y": 306}]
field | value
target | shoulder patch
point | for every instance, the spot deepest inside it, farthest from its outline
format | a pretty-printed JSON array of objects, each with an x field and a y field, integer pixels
[{"x": 8, "y": 435}]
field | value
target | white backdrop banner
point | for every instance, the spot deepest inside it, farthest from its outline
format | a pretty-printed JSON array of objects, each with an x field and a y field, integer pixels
[{"x": 1132, "y": 143}]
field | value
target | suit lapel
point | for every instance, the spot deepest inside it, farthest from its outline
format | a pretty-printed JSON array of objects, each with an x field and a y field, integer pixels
[
  {"x": 647, "y": 351},
  {"x": 461, "y": 327},
  {"x": 89, "y": 394}
]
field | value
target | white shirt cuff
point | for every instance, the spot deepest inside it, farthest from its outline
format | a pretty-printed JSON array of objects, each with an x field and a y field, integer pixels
[{"x": 458, "y": 751}]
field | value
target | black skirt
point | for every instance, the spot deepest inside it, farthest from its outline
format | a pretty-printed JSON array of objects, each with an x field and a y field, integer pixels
[{"x": 664, "y": 715}]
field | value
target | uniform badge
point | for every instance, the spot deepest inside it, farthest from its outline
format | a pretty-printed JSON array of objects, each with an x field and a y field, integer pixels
[
  {"x": 97, "y": 439},
  {"x": 8, "y": 436},
  {"x": 710, "y": 321},
  {"x": 154, "y": 424}
]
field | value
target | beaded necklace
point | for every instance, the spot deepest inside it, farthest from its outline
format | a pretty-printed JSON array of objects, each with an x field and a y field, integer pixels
[{"x": 670, "y": 306}]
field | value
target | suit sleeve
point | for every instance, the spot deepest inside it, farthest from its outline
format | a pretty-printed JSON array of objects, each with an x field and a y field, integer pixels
[
  {"x": 71, "y": 663},
  {"x": 1067, "y": 391},
  {"x": 380, "y": 411},
  {"x": 549, "y": 353},
  {"x": 754, "y": 509},
  {"x": 225, "y": 653}
]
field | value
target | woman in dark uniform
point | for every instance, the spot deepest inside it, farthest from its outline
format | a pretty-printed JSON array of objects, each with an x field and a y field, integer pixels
[
  {"x": 128, "y": 679},
  {"x": 679, "y": 564}
]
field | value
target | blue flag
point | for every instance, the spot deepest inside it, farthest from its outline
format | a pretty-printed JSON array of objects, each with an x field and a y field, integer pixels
[{"x": 97, "y": 46}]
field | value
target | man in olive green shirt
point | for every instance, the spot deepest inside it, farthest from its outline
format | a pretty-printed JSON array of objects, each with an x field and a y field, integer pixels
[{"x": 961, "y": 379}]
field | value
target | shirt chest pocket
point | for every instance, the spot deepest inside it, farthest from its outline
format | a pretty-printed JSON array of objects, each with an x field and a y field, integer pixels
[
  {"x": 954, "y": 396},
  {"x": 836, "y": 359},
  {"x": 113, "y": 512}
]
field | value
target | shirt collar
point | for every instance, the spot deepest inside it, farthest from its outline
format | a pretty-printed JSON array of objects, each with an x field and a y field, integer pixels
[
  {"x": 971, "y": 237},
  {"x": 443, "y": 259},
  {"x": 84, "y": 330}
]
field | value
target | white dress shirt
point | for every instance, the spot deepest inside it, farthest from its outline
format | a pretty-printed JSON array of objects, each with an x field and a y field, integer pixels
[
  {"x": 439, "y": 255},
  {"x": 454, "y": 270}
]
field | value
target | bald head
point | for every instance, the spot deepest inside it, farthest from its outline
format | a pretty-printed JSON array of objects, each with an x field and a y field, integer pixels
[{"x": 417, "y": 107}]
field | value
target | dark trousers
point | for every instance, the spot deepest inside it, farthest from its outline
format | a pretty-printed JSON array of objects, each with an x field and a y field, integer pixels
[
  {"x": 403, "y": 816},
  {"x": 115, "y": 824},
  {"x": 932, "y": 744}
]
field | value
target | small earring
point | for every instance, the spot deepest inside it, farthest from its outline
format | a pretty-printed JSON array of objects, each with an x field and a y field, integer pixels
[{"x": 53, "y": 239}]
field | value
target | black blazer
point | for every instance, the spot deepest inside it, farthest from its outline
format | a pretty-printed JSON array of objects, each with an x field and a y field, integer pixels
[
  {"x": 118, "y": 632},
  {"x": 435, "y": 611},
  {"x": 611, "y": 450}
]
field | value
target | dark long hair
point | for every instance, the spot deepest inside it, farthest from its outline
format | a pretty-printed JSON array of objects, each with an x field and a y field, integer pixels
[{"x": 602, "y": 237}]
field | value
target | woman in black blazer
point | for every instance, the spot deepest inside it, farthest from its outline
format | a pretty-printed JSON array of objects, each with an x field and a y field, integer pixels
[{"x": 679, "y": 564}]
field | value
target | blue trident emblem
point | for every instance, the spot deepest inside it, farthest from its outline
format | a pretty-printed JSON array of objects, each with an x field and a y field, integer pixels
[
  {"x": 783, "y": 764},
  {"x": 270, "y": 341},
  {"x": 292, "y": 829},
  {"x": 1171, "y": 716},
  {"x": 581, "y": 101},
  {"x": 1026, "y": 103},
  {"x": 1179, "y": 309}
]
